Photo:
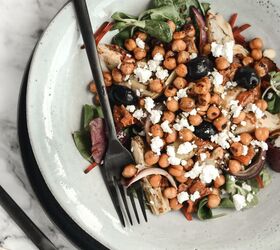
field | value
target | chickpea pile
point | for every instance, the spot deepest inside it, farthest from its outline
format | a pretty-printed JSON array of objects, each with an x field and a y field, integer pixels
[{"x": 200, "y": 104}]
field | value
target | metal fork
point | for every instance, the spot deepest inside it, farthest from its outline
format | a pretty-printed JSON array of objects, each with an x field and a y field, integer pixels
[{"x": 117, "y": 156}]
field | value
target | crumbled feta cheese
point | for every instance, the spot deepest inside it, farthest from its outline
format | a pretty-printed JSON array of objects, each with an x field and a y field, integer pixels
[
  {"x": 234, "y": 138},
  {"x": 239, "y": 201},
  {"x": 182, "y": 197},
  {"x": 181, "y": 93},
  {"x": 246, "y": 187},
  {"x": 233, "y": 127},
  {"x": 173, "y": 160},
  {"x": 230, "y": 85},
  {"x": 156, "y": 144},
  {"x": 224, "y": 112},
  {"x": 245, "y": 150},
  {"x": 183, "y": 123},
  {"x": 149, "y": 104},
  {"x": 203, "y": 156},
  {"x": 139, "y": 114},
  {"x": 158, "y": 57},
  {"x": 221, "y": 139},
  {"x": 183, "y": 162},
  {"x": 153, "y": 65},
  {"x": 217, "y": 78},
  {"x": 142, "y": 74},
  {"x": 277, "y": 142},
  {"x": 130, "y": 108},
  {"x": 194, "y": 172},
  {"x": 209, "y": 173},
  {"x": 263, "y": 145},
  {"x": 195, "y": 196},
  {"x": 225, "y": 50},
  {"x": 138, "y": 93},
  {"x": 185, "y": 148},
  {"x": 255, "y": 109},
  {"x": 140, "y": 43},
  {"x": 170, "y": 150},
  {"x": 155, "y": 116},
  {"x": 193, "y": 55},
  {"x": 161, "y": 73},
  {"x": 243, "y": 123},
  {"x": 165, "y": 127},
  {"x": 231, "y": 177},
  {"x": 249, "y": 197},
  {"x": 235, "y": 108},
  {"x": 193, "y": 112}
]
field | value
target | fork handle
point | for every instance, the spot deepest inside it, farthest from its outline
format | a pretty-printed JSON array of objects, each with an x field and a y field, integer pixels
[{"x": 94, "y": 61}]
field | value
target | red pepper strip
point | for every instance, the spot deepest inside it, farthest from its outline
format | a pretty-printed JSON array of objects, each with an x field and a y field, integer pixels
[
  {"x": 239, "y": 38},
  {"x": 260, "y": 181},
  {"x": 102, "y": 30},
  {"x": 90, "y": 167},
  {"x": 186, "y": 213},
  {"x": 232, "y": 20},
  {"x": 242, "y": 28}
]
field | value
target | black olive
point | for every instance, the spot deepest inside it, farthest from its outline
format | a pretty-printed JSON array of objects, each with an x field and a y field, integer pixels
[
  {"x": 119, "y": 95},
  {"x": 137, "y": 130},
  {"x": 205, "y": 130},
  {"x": 199, "y": 67},
  {"x": 246, "y": 77}
]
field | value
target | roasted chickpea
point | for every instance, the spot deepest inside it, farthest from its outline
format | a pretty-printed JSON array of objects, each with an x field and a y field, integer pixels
[
  {"x": 170, "y": 91},
  {"x": 261, "y": 104},
  {"x": 170, "y": 192},
  {"x": 181, "y": 70},
  {"x": 96, "y": 99},
  {"x": 180, "y": 82},
  {"x": 245, "y": 138},
  {"x": 247, "y": 60},
  {"x": 218, "y": 153},
  {"x": 179, "y": 35},
  {"x": 174, "y": 204},
  {"x": 215, "y": 191},
  {"x": 156, "y": 86},
  {"x": 178, "y": 45},
  {"x": 168, "y": 116},
  {"x": 155, "y": 180},
  {"x": 262, "y": 134},
  {"x": 220, "y": 123},
  {"x": 195, "y": 120},
  {"x": 236, "y": 148},
  {"x": 163, "y": 161},
  {"x": 181, "y": 179},
  {"x": 139, "y": 53},
  {"x": 183, "y": 57},
  {"x": 107, "y": 79},
  {"x": 213, "y": 201},
  {"x": 204, "y": 99},
  {"x": 234, "y": 166},
  {"x": 201, "y": 88},
  {"x": 256, "y": 43},
  {"x": 256, "y": 54},
  {"x": 189, "y": 165},
  {"x": 190, "y": 30},
  {"x": 221, "y": 63},
  {"x": 206, "y": 49},
  {"x": 187, "y": 104},
  {"x": 261, "y": 69},
  {"x": 219, "y": 181},
  {"x": 127, "y": 68},
  {"x": 176, "y": 171},
  {"x": 169, "y": 53},
  {"x": 117, "y": 75},
  {"x": 141, "y": 102},
  {"x": 213, "y": 112},
  {"x": 185, "y": 135},
  {"x": 143, "y": 36},
  {"x": 92, "y": 87},
  {"x": 158, "y": 50},
  {"x": 240, "y": 118},
  {"x": 169, "y": 63},
  {"x": 215, "y": 99},
  {"x": 171, "y": 25},
  {"x": 129, "y": 171},
  {"x": 202, "y": 109},
  {"x": 151, "y": 158},
  {"x": 171, "y": 137},
  {"x": 172, "y": 105},
  {"x": 156, "y": 130},
  {"x": 130, "y": 44}
]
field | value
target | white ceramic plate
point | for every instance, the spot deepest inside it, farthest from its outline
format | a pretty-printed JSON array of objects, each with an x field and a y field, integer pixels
[{"x": 57, "y": 89}]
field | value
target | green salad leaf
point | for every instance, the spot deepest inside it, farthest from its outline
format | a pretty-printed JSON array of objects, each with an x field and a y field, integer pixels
[
  {"x": 204, "y": 212},
  {"x": 253, "y": 201},
  {"x": 226, "y": 203},
  {"x": 158, "y": 29},
  {"x": 230, "y": 185},
  {"x": 119, "y": 38},
  {"x": 83, "y": 144},
  {"x": 266, "y": 177}
]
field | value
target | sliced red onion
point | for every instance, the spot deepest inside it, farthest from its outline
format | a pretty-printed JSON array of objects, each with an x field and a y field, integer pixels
[
  {"x": 201, "y": 26},
  {"x": 151, "y": 171},
  {"x": 273, "y": 157}
]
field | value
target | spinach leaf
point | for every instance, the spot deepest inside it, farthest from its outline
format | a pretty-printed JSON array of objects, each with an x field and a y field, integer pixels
[
  {"x": 226, "y": 203},
  {"x": 266, "y": 178},
  {"x": 273, "y": 101},
  {"x": 230, "y": 184},
  {"x": 121, "y": 37},
  {"x": 87, "y": 114},
  {"x": 119, "y": 26},
  {"x": 204, "y": 212},
  {"x": 254, "y": 185},
  {"x": 120, "y": 16},
  {"x": 160, "y": 3},
  {"x": 163, "y": 13},
  {"x": 83, "y": 143},
  {"x": 253, "y": 202},
  {"x": 159, "y": 30}
]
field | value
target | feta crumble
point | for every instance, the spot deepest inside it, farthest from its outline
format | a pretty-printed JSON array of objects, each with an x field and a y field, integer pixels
[
  {"x": 130, "y": 108},
  {"x": 203, "y": 156},
  {"x": 194, "y": 172},
  {"x": 165, "y": 127},
  {"x": 235, "y": 108},
  {"x": 263, "y": 145},
  {"x": 277, "y": 142},
  {"x": 221, "y": 139},
  {"x": 193, "y": 55},
  {"x": 182, "y": 197},
  {"x": 149, "y": 104},
  {"x": 225, "y": 50},
  {"x": 142, "y": 74},
  {"x": 155, "y": 116},
  {"x": 158, "y": 57},
  {"x": 246, "y": 187},
  {"x": 245, "y": 150},
  {"x": 249, "y": 197},
  {"x": 217, "y": 78},
  {"x": 255, "y": 109},
  {"x": 243, "y": 123},
  {"x": 239, "y": 201},
  {"x": 195, "y": 196},
  {"x": 181, "y": 93},
  {"x": 156, "y": 144},
  {"x": 140, "y": 43},
  {"x": 139, "y": 114},
  {"x": 161, "y": 73},
  {"x": 209, "y": 173},
  {"x": 153, "y": 65},
  {"x": 185, "y": 148}
]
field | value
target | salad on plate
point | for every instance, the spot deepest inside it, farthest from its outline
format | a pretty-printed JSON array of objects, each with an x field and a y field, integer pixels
[{"x": 196, "y": 103}]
